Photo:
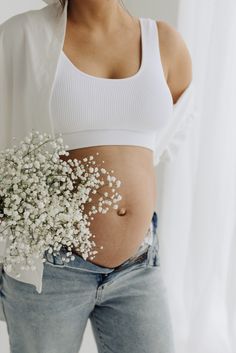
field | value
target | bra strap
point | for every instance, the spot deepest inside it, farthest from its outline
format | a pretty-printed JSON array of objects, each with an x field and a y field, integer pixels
[{"x": 151, "y": 43}]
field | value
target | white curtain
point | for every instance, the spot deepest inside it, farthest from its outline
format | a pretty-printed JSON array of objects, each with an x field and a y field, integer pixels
[{"x": 197, "y": 191}]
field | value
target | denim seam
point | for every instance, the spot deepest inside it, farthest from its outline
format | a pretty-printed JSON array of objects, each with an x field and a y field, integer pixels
[
  {"x": 99, "y": 332},
  {"x": 72, "y": 268},
  {"x": 53, "y": 264}
]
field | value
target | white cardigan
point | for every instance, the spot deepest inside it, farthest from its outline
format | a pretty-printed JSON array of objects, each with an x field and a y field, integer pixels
[{"x": 30, "y": 44}]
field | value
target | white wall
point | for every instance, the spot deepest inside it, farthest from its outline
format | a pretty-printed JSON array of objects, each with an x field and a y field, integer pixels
[{"x": 156, "y": 9}]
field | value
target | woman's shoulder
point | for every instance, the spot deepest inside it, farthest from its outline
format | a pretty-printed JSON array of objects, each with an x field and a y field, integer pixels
[{"x": 178, "y": 58}]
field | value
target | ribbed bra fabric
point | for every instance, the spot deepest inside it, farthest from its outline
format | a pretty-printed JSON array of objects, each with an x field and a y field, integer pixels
[{"x": 92, "y": 111}]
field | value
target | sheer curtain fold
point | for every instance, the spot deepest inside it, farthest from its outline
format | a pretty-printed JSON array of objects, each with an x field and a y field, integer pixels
[{"x": 197, "y": 191}]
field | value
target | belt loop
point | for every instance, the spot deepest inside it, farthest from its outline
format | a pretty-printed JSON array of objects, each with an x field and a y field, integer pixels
[{"x": 48, "y": 256}]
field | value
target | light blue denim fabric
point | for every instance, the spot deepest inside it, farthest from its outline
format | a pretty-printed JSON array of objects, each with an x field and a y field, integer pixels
[{"x": 126, "y": 305}]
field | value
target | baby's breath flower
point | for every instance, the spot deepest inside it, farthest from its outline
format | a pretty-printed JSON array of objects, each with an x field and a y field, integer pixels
[{"x": 42, "y": 200}]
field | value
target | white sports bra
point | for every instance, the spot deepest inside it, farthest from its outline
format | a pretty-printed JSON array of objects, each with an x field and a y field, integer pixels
[{"x": 93, "y": 111}]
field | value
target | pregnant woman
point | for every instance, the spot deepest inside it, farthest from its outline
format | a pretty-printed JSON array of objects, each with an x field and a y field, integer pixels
[{"x": 120, "y": 86}]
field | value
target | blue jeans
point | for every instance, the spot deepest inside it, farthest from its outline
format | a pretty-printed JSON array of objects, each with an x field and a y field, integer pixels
[{"x": 127, "y": 306}]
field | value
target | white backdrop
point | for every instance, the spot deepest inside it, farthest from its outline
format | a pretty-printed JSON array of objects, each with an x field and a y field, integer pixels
[{"x": 196, "y": 192}]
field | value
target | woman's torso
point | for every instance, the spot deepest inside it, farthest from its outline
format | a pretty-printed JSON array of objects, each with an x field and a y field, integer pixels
[{"x": 119, "y": 235}]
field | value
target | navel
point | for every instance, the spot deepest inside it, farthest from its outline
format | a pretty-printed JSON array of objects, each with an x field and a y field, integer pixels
[{"x": 122, "y": 211}]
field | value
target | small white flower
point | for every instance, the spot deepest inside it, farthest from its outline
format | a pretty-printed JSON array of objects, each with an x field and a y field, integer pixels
[
  {"x": 44, "y": 200},
  {"x": 40, "y": 204},
  {"x": 37, "y": 164}
]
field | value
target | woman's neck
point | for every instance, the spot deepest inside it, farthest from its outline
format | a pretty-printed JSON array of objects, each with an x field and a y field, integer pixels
[{"x": 95, "y": 14}]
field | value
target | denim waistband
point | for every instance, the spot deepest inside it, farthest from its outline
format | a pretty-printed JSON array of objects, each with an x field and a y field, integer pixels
[{"x": 150, "y": 251}]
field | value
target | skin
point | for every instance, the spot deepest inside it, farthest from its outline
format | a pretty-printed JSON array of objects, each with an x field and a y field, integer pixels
[{"x": 103, "y": 29}]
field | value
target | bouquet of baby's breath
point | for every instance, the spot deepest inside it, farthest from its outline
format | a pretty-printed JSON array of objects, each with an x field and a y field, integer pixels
[{"x": 42, "y": 200}]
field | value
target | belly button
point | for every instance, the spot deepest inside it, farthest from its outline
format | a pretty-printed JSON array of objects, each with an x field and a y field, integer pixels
[{"x": 121, "y": 211}]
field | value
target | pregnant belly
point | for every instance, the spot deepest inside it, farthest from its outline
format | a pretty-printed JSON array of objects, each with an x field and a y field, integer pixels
[{"x": 118, "y": 234}]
